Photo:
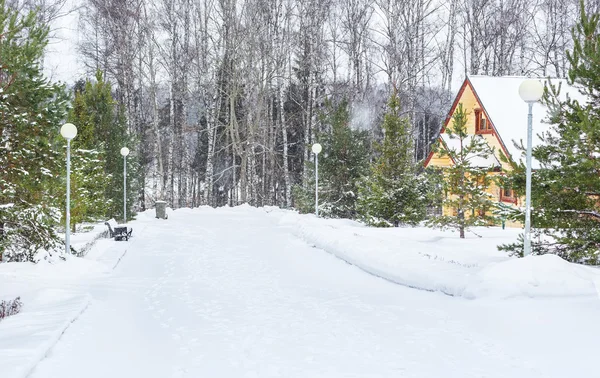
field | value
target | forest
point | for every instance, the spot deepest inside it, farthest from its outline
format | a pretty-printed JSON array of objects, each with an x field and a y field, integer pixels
[
  {"x": 220, "y": 101},
  {"x": 225, "y": 97}
]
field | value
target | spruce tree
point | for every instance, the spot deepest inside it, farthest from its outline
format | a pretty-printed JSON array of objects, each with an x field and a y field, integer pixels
[
  {"x": 303, "y": 195},
  {"x": 566, "y": 188},
  {"x": 88, "y": 176},
  {"x": 103, "y": 134},
  {"x": 394, "y": 193},
  {"x": 31, "y": 112},
  {"x": 466, "y": 181},
  {"x": 342, "y": 163}
]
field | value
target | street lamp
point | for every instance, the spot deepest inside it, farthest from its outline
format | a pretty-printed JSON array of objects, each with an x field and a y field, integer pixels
[
  {"x": 316, "y": 149},
  {"x": 68, "y": 131},
  {"x": 124, "y": 153},
  {"x": 531, "y": 91}
]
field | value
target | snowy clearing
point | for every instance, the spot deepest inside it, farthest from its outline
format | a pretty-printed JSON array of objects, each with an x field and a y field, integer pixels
[{"x": 234, "y": 292}]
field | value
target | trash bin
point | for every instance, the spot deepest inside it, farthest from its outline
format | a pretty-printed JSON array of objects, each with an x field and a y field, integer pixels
[{"x": 161, "y": 209}]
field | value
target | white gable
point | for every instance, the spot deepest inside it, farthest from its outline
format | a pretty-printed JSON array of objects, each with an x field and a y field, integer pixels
[{"x": 499, "y": 97}]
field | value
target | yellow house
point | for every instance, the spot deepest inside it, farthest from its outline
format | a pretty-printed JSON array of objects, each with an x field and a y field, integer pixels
[{"x": 498, "y": 115}]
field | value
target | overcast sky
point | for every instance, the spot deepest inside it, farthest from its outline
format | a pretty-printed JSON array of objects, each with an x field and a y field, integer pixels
[{"x": 61, "y": 63}]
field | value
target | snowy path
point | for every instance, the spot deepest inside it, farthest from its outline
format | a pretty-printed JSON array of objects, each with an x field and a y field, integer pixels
[{"x": 228, "y": 293}]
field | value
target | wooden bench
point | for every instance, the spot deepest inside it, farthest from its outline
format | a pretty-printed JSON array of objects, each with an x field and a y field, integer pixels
[{"x": 117, "y": 231}]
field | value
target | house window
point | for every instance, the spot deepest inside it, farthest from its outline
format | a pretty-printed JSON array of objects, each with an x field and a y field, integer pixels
[
  {"x": 482, "y": 126},
  {"x": 507, "y": 195}
]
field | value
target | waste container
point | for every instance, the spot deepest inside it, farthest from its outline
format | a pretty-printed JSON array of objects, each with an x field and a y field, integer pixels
[{"x": 161, "y": 209}]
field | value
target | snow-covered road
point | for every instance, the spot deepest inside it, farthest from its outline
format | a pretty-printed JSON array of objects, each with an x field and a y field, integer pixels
[{"x": 230, "y": 293}]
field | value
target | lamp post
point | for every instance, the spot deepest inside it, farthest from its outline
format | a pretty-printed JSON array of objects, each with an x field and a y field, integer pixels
[
  {"x": 68, "y": 131},
  {"x": 531, "y": 91},
  {"x": 316, "y": 149},
  {"x": 124, "y": 153}
]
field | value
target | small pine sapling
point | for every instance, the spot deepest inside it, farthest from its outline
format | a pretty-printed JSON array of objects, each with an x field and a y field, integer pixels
[{"x": 466, "y": 181}]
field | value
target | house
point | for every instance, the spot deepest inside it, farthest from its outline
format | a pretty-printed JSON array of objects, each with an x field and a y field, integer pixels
[{"x": 498, "y": 115}]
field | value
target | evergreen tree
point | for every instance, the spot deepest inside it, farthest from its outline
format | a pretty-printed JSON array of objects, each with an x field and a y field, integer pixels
[
  {"x": 119, "y": 138},
  {"x": 31, "y": 111},
  {"x": 99, "y": 192},
  {"x": 394, "y": 194},
  {"x": 303, "y": 195},
  {"x": 343, "y": 162},
  {"x": 88, "y": 177},
  {"x": 466, "y": 180},
  {"x": 566, "y": 188}
]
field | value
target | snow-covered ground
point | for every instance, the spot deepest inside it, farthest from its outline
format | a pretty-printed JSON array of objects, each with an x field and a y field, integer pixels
[
  {"x": 249, "y": 292},
  {"x": 435, "y": 260},
  {"x": 54, "y": 294}
]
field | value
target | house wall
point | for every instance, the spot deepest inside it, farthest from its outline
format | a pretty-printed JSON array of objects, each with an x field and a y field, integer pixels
[
  {"x": 438, "y": 160},
  {"x": 470, "y": 102}
]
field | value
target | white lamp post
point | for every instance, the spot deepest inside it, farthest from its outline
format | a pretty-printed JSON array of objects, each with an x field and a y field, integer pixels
[
  {"x": 124, "y": 153},
  {"x": 316, "y": 149},
  {"x": 68, "y": 131},
  {"x": 531, "y": 91}
]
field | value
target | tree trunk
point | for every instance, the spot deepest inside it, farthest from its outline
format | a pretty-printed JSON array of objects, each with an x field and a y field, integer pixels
[{"x": 211, "y": 124}]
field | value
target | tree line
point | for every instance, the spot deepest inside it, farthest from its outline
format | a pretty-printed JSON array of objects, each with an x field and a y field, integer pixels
[
  {"x": 225, "y": 96},
  {"x": 220, "y": 101}
]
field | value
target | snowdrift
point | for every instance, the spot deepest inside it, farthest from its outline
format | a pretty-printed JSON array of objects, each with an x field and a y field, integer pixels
[
  {"x": 54, "y": 294},
  {"x": 435, "y": 260}
]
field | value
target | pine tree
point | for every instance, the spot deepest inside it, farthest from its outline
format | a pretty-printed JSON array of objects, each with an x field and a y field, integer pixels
[
  {"x": 394, "y": 194},
  {"x": 343, "y": 162},
  {"x": 103, "y": 134},
  {"x": 88, "y": 177},
  {"x": 31, "y": 111},
  {"x": 303, "y": 195},
  {"x": 466, "y": 180},
  {"x": 566, "y": 188},
  {"x": 119, "y": 138}
]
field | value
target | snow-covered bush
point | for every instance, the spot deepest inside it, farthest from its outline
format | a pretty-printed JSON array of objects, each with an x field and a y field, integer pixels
[
  {"x": 10, "y": 307},
  {"x": 29, "y": 231}
]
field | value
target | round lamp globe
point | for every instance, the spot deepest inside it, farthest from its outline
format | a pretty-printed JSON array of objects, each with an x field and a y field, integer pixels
[
  {"x": 531, "y": 90},
  {"x": 316, "y": 148},
  {"x": 68, "y": 131}
]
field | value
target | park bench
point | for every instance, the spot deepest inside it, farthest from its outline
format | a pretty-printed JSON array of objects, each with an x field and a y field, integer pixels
[{"x": 119, "y": 232}]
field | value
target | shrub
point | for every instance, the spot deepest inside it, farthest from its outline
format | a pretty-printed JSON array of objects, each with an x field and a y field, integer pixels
[{"x": 10, "y": 307}]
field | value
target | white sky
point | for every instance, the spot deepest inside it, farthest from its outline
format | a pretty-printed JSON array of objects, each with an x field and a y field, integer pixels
[{"x": 61, "y": 61}]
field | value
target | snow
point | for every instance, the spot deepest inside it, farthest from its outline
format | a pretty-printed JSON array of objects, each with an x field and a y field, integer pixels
[
  {"x": 476, "y": 159},
  {"x": 436, "y": 260},
  {"x": 246, "y": 292},
  {"x": 500, "y": 98},
  {"x": 536, "y": 276},
  {"x": 53, "y": 296}
]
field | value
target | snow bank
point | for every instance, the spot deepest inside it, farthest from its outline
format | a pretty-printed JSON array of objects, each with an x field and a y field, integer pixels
[
  {"x": 26, "y": 338},
  {"x": 534, "y": 276},
  {"x": 437, "y": 260},
  {"x": 54, "y": 293},
  {"x": 52, "y": 298}
]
